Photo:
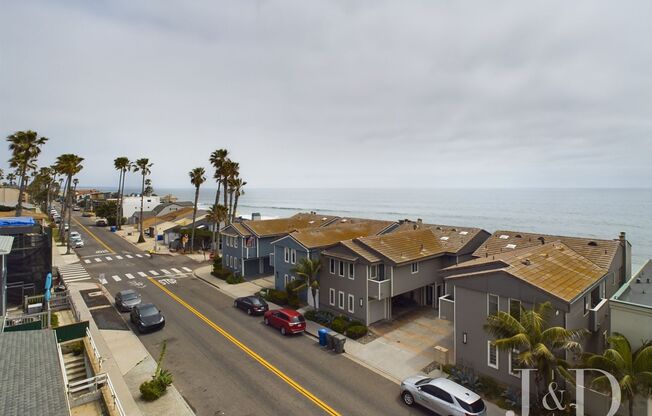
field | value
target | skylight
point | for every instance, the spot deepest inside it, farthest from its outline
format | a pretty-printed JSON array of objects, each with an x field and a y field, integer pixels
[
  {"x": 464, "y": 232},
  {"x": 444, "y": 238},
  {"x": 510, "y": 246},
  {"x": 311, "y": 222},
  {"x": 504, "y": 236}
]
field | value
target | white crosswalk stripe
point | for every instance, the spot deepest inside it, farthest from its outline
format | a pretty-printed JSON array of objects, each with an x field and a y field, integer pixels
[
  {"x": 108, "y": 258},
  {"x": 103, "y": 281},
  {"x": 139, "y": 255},
  {"x": 116, "y": 278},
  {"x": 142, "y": 274},
  {"x": 73, "y": 272},
  {"x": 97, "y": 259},
  {"x": 176, "y": 270},
  {"x": 153, "y": 272},
  {"x": 165, "y": 271},
  {"x": 130, "y": 276},
  {"x": 187, "y": 269},
  {"x": 87, "y": 261},
  {"x": 129, "y": 256},
  {"x": 118, "y": 257}
]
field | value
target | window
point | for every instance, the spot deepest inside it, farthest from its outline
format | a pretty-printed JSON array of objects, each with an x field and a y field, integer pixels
[
  {"x": 331, "y": 296},
  {"x": 492, "y": 304},
  {"x": 286, "y": 279},
  {"x": 438, "y": 393},
  {"x": 373, "y": 271},
  {"x": 587, "y": 304},
  {"x": 513, "y": 363},
  {"x": 415, "y": 267},
  {"x": 351, "y": 305},
  {"x": 286, "y": 254},
  {"x": 341, "y": 268},
  {"x": 235, "y": 242},
  {"x": 603, "y": 290},
  {"x": 340, "y": 300},
  {"x": 293, "y": 256},
  {"x": 515, "y": 308},
  {"x": 492, "y": 355},
  {"x": 332, "y": 265},
  {"x": 351, "y": 271}
]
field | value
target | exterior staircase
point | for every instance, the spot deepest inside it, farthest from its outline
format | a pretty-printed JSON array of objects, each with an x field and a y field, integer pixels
[{"x": 75, "y": 367}]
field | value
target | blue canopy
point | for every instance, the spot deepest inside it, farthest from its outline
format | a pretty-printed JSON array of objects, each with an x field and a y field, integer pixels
[{"x": 16, "y": 221}]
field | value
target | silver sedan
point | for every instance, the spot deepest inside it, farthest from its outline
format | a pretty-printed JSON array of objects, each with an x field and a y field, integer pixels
[{"x": 442, "y": 395}]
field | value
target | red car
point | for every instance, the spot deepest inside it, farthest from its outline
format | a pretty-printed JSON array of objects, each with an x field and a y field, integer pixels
[{"x": 288, "y": 321}]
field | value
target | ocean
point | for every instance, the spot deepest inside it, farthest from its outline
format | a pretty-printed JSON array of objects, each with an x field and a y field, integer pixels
[{"x": 596, "y": 213}]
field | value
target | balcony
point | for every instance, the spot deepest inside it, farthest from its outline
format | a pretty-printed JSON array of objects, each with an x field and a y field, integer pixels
[
  {"x": 597, "y": 315},
  {"x": 379, "y": 289}
]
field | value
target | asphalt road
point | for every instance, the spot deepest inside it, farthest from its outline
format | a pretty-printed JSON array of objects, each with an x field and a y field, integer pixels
[{"x": 223, "y": 361}]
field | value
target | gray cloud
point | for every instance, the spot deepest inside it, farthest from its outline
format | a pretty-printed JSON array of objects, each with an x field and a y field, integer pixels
[{"x": 337, "y": 93}]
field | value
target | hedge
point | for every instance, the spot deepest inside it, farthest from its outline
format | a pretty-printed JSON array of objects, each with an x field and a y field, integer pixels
[{"x": 356, "y": 331}]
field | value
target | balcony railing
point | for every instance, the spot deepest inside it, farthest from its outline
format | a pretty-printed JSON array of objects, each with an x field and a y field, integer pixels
[
  {"x": 596, "y": 315},
  {"x": 380, "y": 289}
]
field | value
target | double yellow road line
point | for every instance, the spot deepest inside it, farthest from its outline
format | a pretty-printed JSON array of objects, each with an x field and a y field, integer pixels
[
  {"x": 329, "y": 410},
  {"x": 94, "y": 236}
]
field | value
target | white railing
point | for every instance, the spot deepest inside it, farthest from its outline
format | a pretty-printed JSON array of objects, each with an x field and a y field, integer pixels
[
  {"x": 594, "y": 315},
  {"x": 114, "y": 396},
  {"x": 96, "y": 352},
  {"x": 63, "y": 365},
  {"x": 43, "y": 317}
]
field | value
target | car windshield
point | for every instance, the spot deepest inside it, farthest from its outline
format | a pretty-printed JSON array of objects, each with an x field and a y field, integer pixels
[
  {"x": 296, "y": 319},
  {"x": 255, "y": 301},
  {"x": 475, "y": 407},
  {"x": 424, "y": 381},
  {"x": 149, "y": 310},
  {"x": 130, "y": 296}
]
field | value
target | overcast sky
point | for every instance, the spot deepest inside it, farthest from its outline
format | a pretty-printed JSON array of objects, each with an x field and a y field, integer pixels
[{"x": 338, "y": 93}]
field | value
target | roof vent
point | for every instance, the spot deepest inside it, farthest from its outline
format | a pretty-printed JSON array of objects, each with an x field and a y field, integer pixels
[
  {"x": 453, "y": 229},
  {"x": 444, "y": 238},
  {"x": 543, "y": 240},
  {"x": 503, "y": 237},
  {"x": 464, "y": 232},
  {"x": 593, "y": 244},
  {"x": 638, "y": 280},
  {"x": 311, "y": 222},
  {"x": 344, "y": 219},
  {"x": 324, "y": 218},
  {"x": 438, "y": 228},
  {"x": 422, "y": 248},
  {"x": 518, "y": 236},
  {"x": 526, "y": 262},
  {"x": 512, "y": 246}
]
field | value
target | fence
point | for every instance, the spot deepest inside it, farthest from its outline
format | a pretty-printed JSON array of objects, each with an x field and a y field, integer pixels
[
  {"x": 58, "y": 301},
  {"x": 96, "y": 352},
  {"x": 72, "y": 331},
  {"x": 39, "y": 320}
]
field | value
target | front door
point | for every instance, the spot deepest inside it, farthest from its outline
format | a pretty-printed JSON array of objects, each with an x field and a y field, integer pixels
[
  {"x": 430, "y": 296},
  {"x": 261, "y": 266}
]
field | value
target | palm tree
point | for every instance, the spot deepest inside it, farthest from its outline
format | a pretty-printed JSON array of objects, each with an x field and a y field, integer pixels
[
  {"x": 123, "y": 165},
  {"x": 308, "y": 270},
  {"x": 197, "y": 177},
  {"x": 217, "y": 159},
  {"x": 144, "y": 167},
  {"x": 216, "y": 214},
  {"x": 538, "y": 345},
  {"x": 25, "y": 147},
  {"x": 633, "y": 370},
  {"x": 149, "y": 190},
  {"x": 11, "y": 177},
  {"x": 2, "y": 174},
  {"x": 230, "y": 170},
  {"x": 70, "y": 165},
  {"x": 238, "y": 184}
]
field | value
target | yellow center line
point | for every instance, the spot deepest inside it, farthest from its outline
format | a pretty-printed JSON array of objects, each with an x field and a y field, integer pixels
[
  {"x": 250, "y": 352},
  {"x": 94, "y": 236}
]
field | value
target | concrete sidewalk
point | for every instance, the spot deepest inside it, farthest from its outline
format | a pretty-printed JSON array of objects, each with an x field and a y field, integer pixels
[{"x": 124, "y": 357}]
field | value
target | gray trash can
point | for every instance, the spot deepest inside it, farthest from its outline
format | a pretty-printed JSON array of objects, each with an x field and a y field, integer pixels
[
  {"x": 339, "y": 343},
  {"x": 330, "y": 339}
]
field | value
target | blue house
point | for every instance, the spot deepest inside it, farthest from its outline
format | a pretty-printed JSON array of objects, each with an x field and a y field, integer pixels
[{"x": 247, "y": 245}]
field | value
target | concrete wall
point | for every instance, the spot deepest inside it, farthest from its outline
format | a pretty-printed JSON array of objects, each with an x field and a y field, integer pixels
[
  {"x": 131, "y": 204},
  {"x": 633, "y": 321}
]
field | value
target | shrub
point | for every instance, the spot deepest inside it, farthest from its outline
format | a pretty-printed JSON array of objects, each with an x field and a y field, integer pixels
[
  {"x": 293, "y": 301},
  {"x": 339, "y": 324},
  {"x": 161, "y": 380},
  {"x": 151, "y": 390},
  {"x": 278, "y": 297},
  {"x": 233, "y": 279},
  {"x": 54, "y": 320},
  {"x": 490, "y": 387},
  {"x": 77, "y": 347},
  {"x": 310, "y": 315},
  {"x": 324, "y": 317},
  {"x": 356, "y": 331}
]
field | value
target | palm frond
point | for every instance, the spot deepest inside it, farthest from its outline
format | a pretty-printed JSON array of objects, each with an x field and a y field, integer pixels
[
  {"x": 643, "y": 360},
  {"x": 503, "y": 325}
]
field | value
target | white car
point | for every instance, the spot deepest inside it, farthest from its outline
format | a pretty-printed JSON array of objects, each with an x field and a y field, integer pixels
[
  {"x": 77, "y": 243},
  {"x": 442, "y": 396},
  {"x": 75, "y": 234}
]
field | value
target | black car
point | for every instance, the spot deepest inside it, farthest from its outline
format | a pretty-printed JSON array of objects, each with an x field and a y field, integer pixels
[
  {"x": 125, "y": 300},
  {"x": 253, "y": 305},
  {"x": 147, "y": 317}
]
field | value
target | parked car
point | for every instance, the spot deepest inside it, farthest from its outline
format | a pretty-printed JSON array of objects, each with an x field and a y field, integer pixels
[
  {"x": 101, "y": 222},
  {"x": 57, "y": 220},
  {"x": 76, "y": 208},
  {"x": 66, "y": 227},
  {"x": 87, "y": 214},
  {"x": 77, "y": 243},
  {"x": 125, "y": 300},
  {"x": 253, "y": 305},
  {"x": 75, "y": 234},
  {"x": 288, "y": 321},
  {"x": 147, "y": 317},
  {"x": 442, "y": 396}
]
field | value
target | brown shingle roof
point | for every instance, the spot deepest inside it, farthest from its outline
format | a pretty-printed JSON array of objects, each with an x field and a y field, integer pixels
[
  {"x": 357, "y": 249},
  {"x": 170, "y": 216},
  {"x": 332, "y": 234},
  {"x": 600, "y": 252},
  {"x": 405, "y": 246},
  {"x": 456, "y": 238},
  {"x": 280, "y": 226},
  {"x": 553, "y": 267}
]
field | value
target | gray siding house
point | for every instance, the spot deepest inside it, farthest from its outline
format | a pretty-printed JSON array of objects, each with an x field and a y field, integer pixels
[
  {"x": 372, "y": 278},
  {"x": 247, "y": 245},
  {"x": 308, "y": 243},
  {"x": 514, "y": 270}
]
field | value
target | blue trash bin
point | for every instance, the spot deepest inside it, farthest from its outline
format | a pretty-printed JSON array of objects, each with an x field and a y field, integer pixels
[
  {"x": 323, "y": 332},
  {"x": 113, "y": 228}
]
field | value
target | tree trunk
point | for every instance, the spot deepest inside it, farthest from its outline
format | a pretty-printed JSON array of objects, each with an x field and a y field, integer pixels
[
  {"x": 141, "y": 237},
  {"x": 630, "y": 404},
  {"x": 122, "y": 197},
  {"x": 215, "y": 226},
  {"x": 69, "y": 215},
  {"x": 194, "y": 216},
  {"x": 21, "y": 190},
  {"x": 314, "y": 297},
  {"x": 117, "y": 206},
  {"x": 225, "y": 188},
  {"x": 63, "y": 210},
  {"x": 235, "y": 206},
  {"x": 230, "y": 210}
]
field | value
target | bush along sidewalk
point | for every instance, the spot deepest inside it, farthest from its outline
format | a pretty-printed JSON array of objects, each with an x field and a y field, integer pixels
[
  {"x": 338, "y": 323},
  {"x": 225, "y": 274},
  {"x": 162, "y": 379}
]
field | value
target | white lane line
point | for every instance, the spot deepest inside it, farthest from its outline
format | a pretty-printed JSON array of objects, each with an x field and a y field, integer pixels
[
  {"x": 129, "y": 256},
  {"x": 103, "y": 281},
  {"x": 139, "y": 255},
  {"x": 130, "y": 276},
  {"x": 176, "y": 270},
  {"x": 87, "y": 261},
  {"x": 187, "y": 269},
  {"x": 97, "y": 259},
  {"x": 142, "y": 274},
  {"x": 116, "y": 278},
  {"x": 118, "y": 257},
  {"x": 165, "y": 271},
  {"x": 153, "y": 272},
  {"x": 108, "y": 258}
]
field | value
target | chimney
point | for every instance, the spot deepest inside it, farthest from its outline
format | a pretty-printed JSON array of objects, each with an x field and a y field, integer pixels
[
  {"x": 255, "y": 216},
  {"x": 622, "y": 237},
  {"x": 419, "y": 221}
]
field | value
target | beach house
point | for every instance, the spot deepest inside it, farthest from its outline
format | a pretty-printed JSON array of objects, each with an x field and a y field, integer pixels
[
  {"x": 515, "y": 270},
  {"x": 309, "y": 242},
  {"x": 247, "y": 244},
  {"x": 374, "y": 278}
]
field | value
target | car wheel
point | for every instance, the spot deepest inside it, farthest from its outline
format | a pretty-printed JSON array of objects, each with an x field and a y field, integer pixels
[
  {"x": 266, "y": 321},
  {"x": 408, "y": 398},
  {"x": 248, "y": 311},
  {"x": 282, "y": 330}
]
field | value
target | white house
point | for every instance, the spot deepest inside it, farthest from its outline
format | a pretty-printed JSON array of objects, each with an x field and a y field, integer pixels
[{"x": 131, "y": 204}]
